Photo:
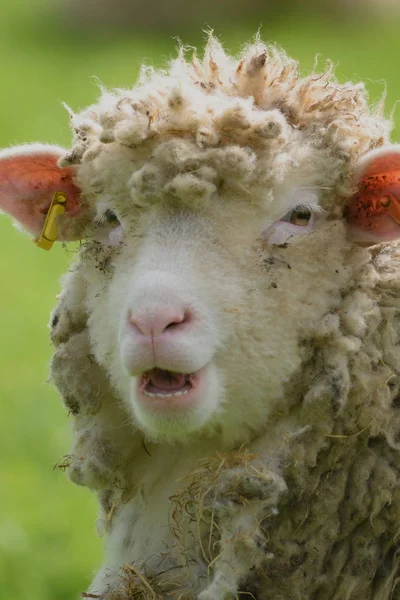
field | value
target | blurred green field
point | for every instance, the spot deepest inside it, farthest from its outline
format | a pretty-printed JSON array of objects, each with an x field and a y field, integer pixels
[{"x": 48, "y": 543}]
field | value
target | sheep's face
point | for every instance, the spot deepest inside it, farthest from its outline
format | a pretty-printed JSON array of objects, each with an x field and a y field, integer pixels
[
  {"x": 192, "y": 309},
  {"x": 202, "y": 296}
]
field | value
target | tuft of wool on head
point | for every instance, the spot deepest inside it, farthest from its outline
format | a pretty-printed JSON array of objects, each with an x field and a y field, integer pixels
[{"x": 224, "y": 124}]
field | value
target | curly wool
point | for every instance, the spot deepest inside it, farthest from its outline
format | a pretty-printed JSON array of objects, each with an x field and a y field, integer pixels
[{"x": 224, "y": 124}]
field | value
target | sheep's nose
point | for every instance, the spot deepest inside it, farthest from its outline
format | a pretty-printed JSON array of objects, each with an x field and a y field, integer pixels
[{"x": 160, "y": 321}]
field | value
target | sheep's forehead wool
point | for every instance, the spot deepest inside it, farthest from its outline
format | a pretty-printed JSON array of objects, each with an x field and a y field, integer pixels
[{"x": 236, "y": 126}]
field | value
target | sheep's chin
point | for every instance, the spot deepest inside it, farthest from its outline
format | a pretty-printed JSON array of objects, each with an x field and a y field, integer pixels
[{"x": 175, "y": 416}]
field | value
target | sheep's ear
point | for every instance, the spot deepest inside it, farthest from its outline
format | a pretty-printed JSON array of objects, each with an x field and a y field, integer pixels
[
  {"x": 373, "y": 213},
  {"x": 29, "y": 179}
]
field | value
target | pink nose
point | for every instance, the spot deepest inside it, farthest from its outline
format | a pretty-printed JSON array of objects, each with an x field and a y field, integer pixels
[{"x": 159, "y": 321}]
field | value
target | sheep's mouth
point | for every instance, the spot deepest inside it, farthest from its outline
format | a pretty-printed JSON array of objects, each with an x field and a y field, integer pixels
[{"x": 160, "y": 382}]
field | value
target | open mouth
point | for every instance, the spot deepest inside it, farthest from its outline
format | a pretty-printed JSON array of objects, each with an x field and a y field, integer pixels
[
  {"x": 171, "y": 397},
  {"x": 161, "y": 383}
]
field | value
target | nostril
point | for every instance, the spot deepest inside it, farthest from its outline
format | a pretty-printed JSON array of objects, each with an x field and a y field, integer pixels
[
  {"x": 134, "y": 325},
  {"x": 172, "y": 325},
  {"x": 177, "y": 321}
]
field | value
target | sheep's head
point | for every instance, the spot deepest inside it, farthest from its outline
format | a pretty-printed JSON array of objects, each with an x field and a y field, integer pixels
[{"x": 212, "y": 201}]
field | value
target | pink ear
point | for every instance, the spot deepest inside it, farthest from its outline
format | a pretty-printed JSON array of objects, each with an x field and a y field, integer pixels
[
  {"x": 29, "y": 177},
  {"x": 373, "y": 213}
]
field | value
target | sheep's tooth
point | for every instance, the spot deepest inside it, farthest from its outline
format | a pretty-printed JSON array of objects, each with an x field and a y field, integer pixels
[{"x": 152, "y": 395}]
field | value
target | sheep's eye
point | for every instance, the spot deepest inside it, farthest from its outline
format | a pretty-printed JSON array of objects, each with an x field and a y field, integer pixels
[
  {"x": 299, "y": 216},
  {"x": 299, "y": 220},
  {"x": 111, "y": 218}
]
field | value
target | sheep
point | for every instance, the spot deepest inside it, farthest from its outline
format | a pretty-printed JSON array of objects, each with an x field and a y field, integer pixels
[{"x": 227, "y": 341}]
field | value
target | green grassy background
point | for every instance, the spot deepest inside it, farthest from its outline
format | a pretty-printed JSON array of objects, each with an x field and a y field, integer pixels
[{"x": 48, "y": 543}]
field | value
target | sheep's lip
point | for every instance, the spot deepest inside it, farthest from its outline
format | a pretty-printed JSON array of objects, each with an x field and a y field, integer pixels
[{"x": 161, "y": 383}]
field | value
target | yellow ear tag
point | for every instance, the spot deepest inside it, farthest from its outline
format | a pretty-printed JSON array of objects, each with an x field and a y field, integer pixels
[{"x": 48, "y": 234}]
